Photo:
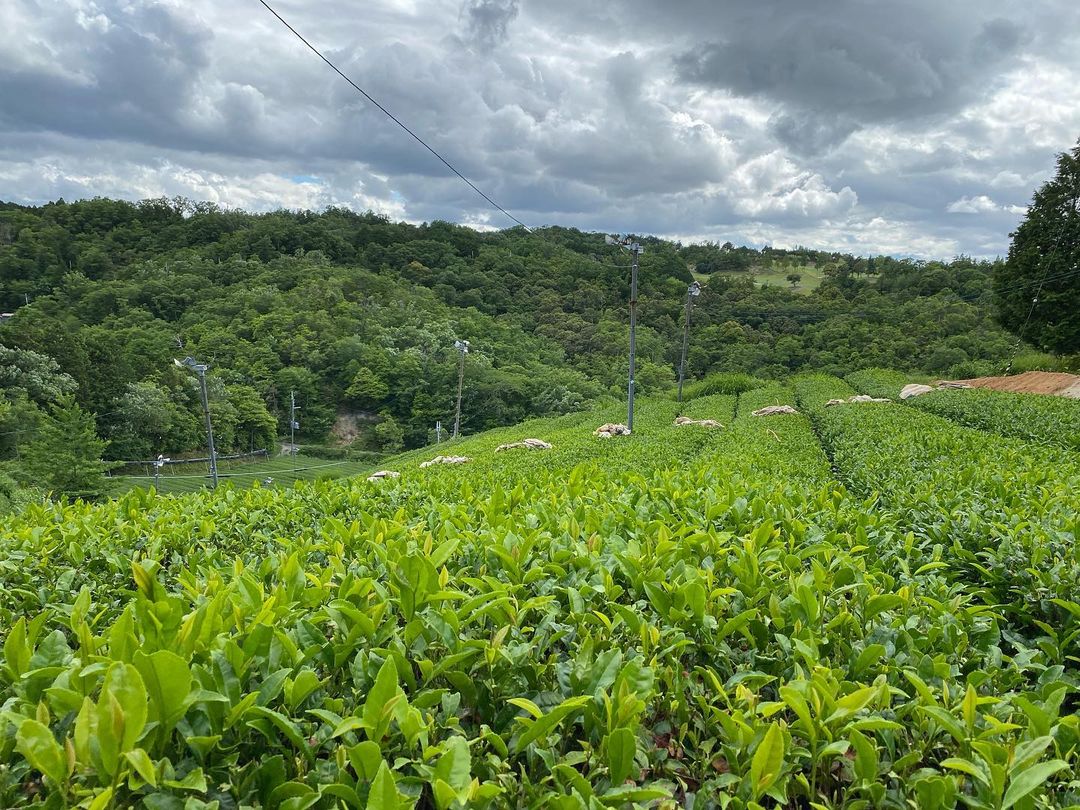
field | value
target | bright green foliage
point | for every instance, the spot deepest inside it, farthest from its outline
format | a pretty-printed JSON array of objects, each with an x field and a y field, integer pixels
[
  {"x": 723, "y": 383},
  {"x": 682, "y": 617},
  {"x": 35, "y": 374},
  {"x": 389, "y": 434},
  {"x": 879, "y": 382},
  {"x": 1043, "y": 419},
  {"x": 1006, "y": 510},
  {"x": 1038, "y": 418}
]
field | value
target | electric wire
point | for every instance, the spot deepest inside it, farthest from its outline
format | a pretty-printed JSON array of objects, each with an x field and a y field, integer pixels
[
  {"x": 37, "y": 429},
  {"x": 410, "y": 131},
  {"x": 394, "y": 118},
  {"x": 1042, "y": 280},
  {"x": 265, "y": 473}
]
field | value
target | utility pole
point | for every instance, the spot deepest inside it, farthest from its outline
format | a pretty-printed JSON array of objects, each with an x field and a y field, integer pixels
[
  {"x": 200, "y": 369},
  {"x": 209, "y": 427},
  {"x": 293, "y": 424},
  {"x": 438, "y": 433},
  {"x": 463, "y": 349},
  {"x": 635, "y": 251},
  {"x": 692, "y": 292},
  {"x": 158, "y": 464}
]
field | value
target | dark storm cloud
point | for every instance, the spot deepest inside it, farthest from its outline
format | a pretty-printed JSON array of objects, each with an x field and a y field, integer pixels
[
  {"x": 125, "y": 74},
  {"x": 487, "y": 21},
  {"x": 862, "y": 63},
  {"x": 808, "y": 133},
  {"x": 912, "y": 128}
]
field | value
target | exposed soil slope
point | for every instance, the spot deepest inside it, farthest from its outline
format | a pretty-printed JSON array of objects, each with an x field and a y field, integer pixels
[{"x": 1032, "y": 382}]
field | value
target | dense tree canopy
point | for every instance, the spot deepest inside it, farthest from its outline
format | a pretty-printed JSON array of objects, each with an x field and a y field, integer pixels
[
  {"x": 358, "y": 316},
  {"x": 1037, "y": 291}
]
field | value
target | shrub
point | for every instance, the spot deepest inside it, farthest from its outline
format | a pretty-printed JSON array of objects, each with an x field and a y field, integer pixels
[{"x": 723, "y": 383}]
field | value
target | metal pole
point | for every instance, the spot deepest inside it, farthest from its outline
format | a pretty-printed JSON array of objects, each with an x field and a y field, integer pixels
[
  {"x": 438, "y": 433},
  {"x": 292, "y": 423},
  {"x": 685, "y": 339},
  {"x": 460, "y": 382},
  {"x": 209, "y": 428},
  {"x": 633, "y": 336}
]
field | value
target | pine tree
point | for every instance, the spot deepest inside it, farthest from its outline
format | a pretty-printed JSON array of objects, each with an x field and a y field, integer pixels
[
  {"x": 65, "y": 454},
  {"x": 1044, "y": 264}
]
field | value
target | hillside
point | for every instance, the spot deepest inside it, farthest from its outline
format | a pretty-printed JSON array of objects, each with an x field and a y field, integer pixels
[
  {"x": 858, "y": 605},
  {"x": 357, "y": 316}
]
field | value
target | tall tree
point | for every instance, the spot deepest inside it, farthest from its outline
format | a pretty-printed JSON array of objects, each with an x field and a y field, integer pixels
[
  {"x": 1037, "y": 290},
  {"x": 65, "y": 454}
]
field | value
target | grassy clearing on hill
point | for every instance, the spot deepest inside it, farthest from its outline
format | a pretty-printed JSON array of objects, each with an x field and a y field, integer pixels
[{"x": 777, "y": 277}]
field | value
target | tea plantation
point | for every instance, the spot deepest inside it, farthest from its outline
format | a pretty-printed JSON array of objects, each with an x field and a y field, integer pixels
[{"x": 866, "y": 605}]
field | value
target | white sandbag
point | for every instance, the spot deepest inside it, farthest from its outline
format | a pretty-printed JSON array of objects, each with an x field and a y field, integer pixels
[
  {"x": 914, "y": 390},
  {"x": 685, "y": 420},
  {"x": 527, "y": 444},
  {"x": 383, "y": 474},
  {"x": 446, "y": 460},
  {"x": 611, "y": 429},
  {"x": 855, "y": 399},
  {"x": 774, "y": 410}
]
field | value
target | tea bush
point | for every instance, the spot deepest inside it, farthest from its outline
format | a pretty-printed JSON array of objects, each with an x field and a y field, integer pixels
[
  {"x": 1036, "y": 417},
  {"x": 682, "y": 617}
]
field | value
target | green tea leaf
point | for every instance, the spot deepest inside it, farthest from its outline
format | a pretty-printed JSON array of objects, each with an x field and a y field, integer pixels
[
  {"x": 455, "y": 765},
  {"x": 285, "y": 726},
  {"x": 544, "y": 725},
  {"x": 1029, "y": 780},
  {"x": 35, "y": 741},
  {"x": 384, "y": 794},
  {"x": 866, "y": 757},
  {"x": 379, "y": 705},
  {"x": 143, "y": 765},
  {"x": 768, "y": 760},
  {"x": 365, "y": 757},
  {"x": 621, "y": 747},
  {"x": 16, "y": 650},
  {"x": 168, "y": 685}
]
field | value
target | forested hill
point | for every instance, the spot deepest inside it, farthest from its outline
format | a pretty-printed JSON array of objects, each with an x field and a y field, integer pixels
[{"x": 359, "y": 314}]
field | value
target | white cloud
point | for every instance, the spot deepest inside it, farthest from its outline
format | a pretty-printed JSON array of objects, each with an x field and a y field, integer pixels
[
  {"x": 773, "y": 184},
  {"x": 566, "y": 113},
  {"x": 973, "y": 205},
  {"x": 981, "y": 204}
]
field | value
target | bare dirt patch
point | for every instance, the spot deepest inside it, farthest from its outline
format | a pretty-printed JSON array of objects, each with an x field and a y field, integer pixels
[
  {"x": 349, "y": 425},
  {"x": 1031, "y": 382}
]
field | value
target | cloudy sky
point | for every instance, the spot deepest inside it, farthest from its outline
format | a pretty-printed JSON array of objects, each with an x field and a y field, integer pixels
[{"x": 918, "y": 127}]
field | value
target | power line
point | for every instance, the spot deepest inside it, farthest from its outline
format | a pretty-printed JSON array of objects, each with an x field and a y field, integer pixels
[
  {"x": 413, "y": 134},
  {"x": 1042, "y": 280},
  {"x": 256, "y": 472},
  {"x": 37, "y": 429},
  {"x": 394, "y": 118}
]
